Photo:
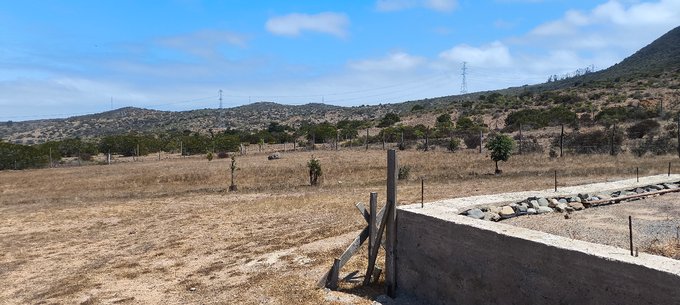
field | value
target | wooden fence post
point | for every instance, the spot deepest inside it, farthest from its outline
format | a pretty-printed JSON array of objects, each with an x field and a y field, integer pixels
[
  {"x": 391, "y": 226},
  {"x": 366, "y": 138},
  {"x": 481, "y": 139},
  {"x": 561, "y": 140},
  {"x": 678, "y": 132},
  {"x": 520, "y": 139}
]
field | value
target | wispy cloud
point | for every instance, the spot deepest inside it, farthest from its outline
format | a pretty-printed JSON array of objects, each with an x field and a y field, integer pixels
[
  {"x": 398, "y": 61},
  {"x": 294, "y": 24},
  {"x": 203, "y": 43},
  {"x": 398, "y": 5},
  {"x": 495, "y": 54}
]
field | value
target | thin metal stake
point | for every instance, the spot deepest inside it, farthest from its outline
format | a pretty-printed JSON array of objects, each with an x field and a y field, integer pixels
[
  {"x": 555, "y": 180},
  {"x": 630, "y": 231},
  {"x": 669, "y": 169},
  {"x": 422, "y": 192},
  {"x": 637, "y": 174}
]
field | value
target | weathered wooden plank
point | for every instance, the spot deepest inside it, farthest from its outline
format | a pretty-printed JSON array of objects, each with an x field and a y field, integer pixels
[
  {"x": 373, "y": 250},
  {"x": 335, "y": 274},
  {"x": 391, "y": 224},
  {"x": 362, "y": 209},
  {"x": 351, "y": 250},
  {"x": 622, "y": 198}
]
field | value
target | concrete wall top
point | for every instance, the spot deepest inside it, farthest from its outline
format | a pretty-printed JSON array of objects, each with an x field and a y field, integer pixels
[{"x": 456, "y": 206}]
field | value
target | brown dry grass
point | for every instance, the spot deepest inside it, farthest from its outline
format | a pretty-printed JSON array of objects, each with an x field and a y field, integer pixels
[
  {"x": 669, "y": 248},
  {"x": 148, "y": 232}
]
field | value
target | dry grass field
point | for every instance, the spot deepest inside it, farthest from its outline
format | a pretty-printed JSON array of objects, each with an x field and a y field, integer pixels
[{"x": 168, "y": 231}]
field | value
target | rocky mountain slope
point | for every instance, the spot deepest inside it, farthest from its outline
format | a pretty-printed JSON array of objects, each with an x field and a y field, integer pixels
[{"x": 648, "y": 78}]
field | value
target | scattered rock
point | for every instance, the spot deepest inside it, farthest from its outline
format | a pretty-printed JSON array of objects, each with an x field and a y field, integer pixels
[
  {"x": 583, "y": 196},
  {"x": 535, "y": 204},
  {"x": 492, "y": 216},
  {"x": 192, "y": 289},
  {"x": 475, "y": 213},
  {"x": 561, "y": 207},
  {"x": 577, "y": 206},
  {"x": 496, "y": 210},
  {"x": 670, "y": 186},
  {"x": 531, "y": 211},
  {"x": 639, "y": 190},
  {"x": 507, "y": 212},
  {"x": 522, "y": 209},
  {"x": 575, "y": 199},
  {"x": 513, "y": 205},
  {"x": 567, "y": 216},
  {"x": 543, "y": 209},
  {"x": 562, "y": 200},
  {"x": 274, "y": 156}
]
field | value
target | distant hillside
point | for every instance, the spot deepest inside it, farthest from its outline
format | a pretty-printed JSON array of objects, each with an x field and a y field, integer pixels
[{"x": 648, "y": 77}]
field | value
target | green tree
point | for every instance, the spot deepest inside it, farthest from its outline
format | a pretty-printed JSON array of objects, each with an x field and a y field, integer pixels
[
  {"x": 444, "y": 124},
  {"x": 501, "y": 147},
  {"x": 389, "y": 120}
]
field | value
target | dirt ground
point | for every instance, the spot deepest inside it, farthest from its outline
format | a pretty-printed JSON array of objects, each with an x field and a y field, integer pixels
[
  {"x": 654, "y": 220},
  {"x": 151, "y": 232}
]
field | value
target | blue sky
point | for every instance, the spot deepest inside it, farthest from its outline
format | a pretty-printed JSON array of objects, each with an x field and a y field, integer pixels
[{"x": 62, "y": 58}]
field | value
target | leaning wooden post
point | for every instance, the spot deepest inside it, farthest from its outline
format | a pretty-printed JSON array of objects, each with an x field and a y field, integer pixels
[
  {"x": 391, "y": 225},
  {"x": 561, "y": 140},
  {"x": 335, "y": 274},
  {"x": 372, "y": 228}
]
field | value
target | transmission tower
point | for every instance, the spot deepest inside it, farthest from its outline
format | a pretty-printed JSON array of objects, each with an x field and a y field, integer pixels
[
  {"x": 220, "y": 115},
  {"x": 220, "y": 98},
  {"x": 463, "y": 84}
]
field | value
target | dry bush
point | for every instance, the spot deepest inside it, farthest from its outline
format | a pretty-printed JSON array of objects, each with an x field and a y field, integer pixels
[{"x": 668, "y": 248}]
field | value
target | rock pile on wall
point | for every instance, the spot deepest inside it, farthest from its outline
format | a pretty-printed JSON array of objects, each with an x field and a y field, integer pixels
[{"x": 564, "y": 204}]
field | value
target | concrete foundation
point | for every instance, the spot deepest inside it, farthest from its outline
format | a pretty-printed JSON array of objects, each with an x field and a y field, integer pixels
[{"x": 445, "y": 258}]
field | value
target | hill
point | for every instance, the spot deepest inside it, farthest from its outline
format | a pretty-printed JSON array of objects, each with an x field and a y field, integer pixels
[{"x": 647, "y": 78}]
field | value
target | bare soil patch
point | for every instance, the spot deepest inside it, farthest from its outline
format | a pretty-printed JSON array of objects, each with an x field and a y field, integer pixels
[{"x": 168, "y": 231}]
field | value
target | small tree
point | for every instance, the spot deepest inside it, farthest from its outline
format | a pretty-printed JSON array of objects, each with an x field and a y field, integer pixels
[
  {"x": 314, "y": 171},
  {"x": 501, "y": 147}
]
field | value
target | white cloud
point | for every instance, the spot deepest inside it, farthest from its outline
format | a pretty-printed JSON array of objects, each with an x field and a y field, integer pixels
[
  {"x": 398, "y": 5},
  {"x": 294, "y": 24},
  {"x": 398, "y": 61},
  {"x": 495, "y": 54},
  {"x": 203, "y": 43},
  {"x": 653, "y": 18}
]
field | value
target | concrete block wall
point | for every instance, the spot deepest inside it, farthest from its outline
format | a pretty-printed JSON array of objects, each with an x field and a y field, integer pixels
[{"x": 451, "y": 259}]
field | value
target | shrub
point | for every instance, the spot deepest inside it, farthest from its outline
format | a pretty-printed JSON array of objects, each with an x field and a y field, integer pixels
[
  {"x": 453, "y": 145},
  {"x": 209, "y": 156},
  {"x": 597, "y": 141},
  {"x": 643, "y": 128},
  {"x": 389, "y": 120},
  {"x": 404, "y": 172},
  {"x": 471, "y": 140},
  {"x": 315, "y": 172}
]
